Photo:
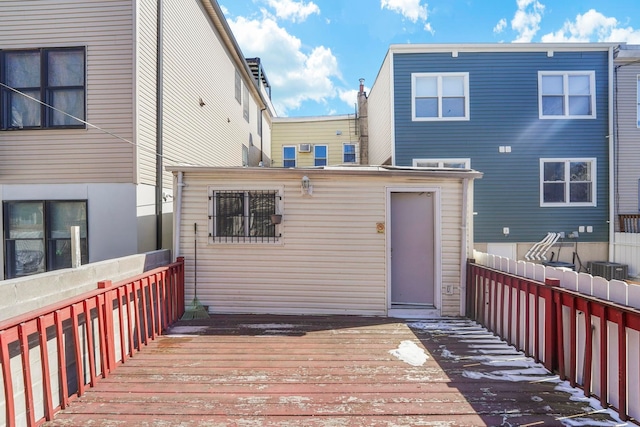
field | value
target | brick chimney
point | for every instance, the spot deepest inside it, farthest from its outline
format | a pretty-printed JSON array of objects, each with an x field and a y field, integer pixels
[{"x": 363, "y": 123}]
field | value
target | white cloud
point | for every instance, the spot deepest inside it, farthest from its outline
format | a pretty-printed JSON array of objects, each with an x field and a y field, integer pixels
[
  {"x": 593, "y": 26},
  {"x": 295, "y": 73},
  {"x": 410, "y": 9},
  {"x": 296, "y": 11},
  {"x": 500, "y": 26},
  {"x": 526, "y": 20},
  {"x": 429, "y": 28}
]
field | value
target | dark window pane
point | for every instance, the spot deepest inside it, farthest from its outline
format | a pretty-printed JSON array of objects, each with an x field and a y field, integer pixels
[
  {"x": 72, "y": 103},
  {"x": 580, "y": 171},
  {"x": 554, "y": 193},
  {"x": 426, "y": 107},
  {"x": 261, "y": 206},
  {"x": 580, "y": 192},
  {"x": 65, "y": 215},
  {"x": 26, "y": 220},
  {"x": 23, "y": 69},
  {"x": 289, "y": 164},
  {"x": 452, "y": 107},
  {"x": 24, "y": 111},
  {"x": 230, "y": 214},
  {"x": 349, "y": 153},
  {"x": 66, "y": 68},
  {"x": 28, "y": 257},
  {"x": 553, "y": 171},
  {"x": 580, "y": 105},
  {"x": 552, "y": 105}
]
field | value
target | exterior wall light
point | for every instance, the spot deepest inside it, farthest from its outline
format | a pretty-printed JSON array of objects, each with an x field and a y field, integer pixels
[{"x": 306, "y": 186}]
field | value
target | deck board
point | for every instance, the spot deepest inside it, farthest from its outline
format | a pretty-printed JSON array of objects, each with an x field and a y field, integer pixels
[{"x": 325, "y": 371}]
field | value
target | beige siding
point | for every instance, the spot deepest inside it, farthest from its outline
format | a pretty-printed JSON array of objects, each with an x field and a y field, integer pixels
[
  {"x": 198, "y": 66},
  {"x": 78, "y": 155},
  {"x": 330, "y": 259},
  {"x": 380, "y": 116},
  {"x": 314, "y": 131},
  {"x": 628, "y": 133}
]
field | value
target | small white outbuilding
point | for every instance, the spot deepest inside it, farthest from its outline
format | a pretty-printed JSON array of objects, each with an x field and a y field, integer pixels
[{"x": 361, "y": 240}]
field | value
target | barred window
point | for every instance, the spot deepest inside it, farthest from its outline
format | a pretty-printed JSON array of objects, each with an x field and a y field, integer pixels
[{"x": 244, "y": 216}]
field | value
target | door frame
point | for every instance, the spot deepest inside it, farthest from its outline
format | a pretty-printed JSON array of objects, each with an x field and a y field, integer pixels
[{"x": 437, "y": 236}]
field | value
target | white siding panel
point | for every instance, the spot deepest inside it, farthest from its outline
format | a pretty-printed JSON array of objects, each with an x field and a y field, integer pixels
[
  {"x": 66, "y": 156},
  {"x": 379, "y": 103},
  {"x": 198, "y": 66},
  {"x": 330, "y": 259},
  {"x": 628, "y": 172}
]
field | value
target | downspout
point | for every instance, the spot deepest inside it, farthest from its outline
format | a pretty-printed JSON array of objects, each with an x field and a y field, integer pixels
[
  {"x": 177, "y": 215},
  {"x": 612, "y": 140},
  {"x": 262, "y": 138},
  {"x": 464, "y": 247},
  {"x": 159, "y": 125}
]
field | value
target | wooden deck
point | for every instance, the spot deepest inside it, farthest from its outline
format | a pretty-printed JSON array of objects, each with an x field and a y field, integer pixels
[{"x": 325, "y": 371}]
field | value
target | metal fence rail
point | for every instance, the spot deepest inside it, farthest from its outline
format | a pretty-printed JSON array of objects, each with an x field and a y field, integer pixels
[
  {"x": 52, "y": 355},
  {"x": 591, "y": 342}
]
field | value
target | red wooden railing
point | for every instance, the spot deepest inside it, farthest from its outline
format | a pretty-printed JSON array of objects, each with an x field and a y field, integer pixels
[
  {"x": 51, "y": 355},
  {"x": 591, "y": 342}
]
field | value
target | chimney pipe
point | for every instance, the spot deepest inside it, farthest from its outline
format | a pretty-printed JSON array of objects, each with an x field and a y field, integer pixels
[{"x": 361, "y": 86}]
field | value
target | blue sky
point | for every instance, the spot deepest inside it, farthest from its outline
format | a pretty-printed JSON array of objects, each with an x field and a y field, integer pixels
[{"x": 314, "y": 52}]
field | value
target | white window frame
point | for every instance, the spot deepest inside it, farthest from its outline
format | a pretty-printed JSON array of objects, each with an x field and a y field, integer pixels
[
  {"x": 315, "y": 155},
  {"x": 567, "y": 182},
  {"x": 439, "y": 76},
  {"x": 441, "y": 162},
  {"x": 565, "y": 93},
  {"x": 355, "y": 151},
  {"x": 295, "y": 154}
]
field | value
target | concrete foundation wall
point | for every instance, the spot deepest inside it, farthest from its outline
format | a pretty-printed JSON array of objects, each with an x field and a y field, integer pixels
[{"x": 21, "y": 295}]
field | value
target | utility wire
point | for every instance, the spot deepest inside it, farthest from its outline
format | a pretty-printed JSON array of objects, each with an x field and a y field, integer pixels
[{"x": 149, "y": 150}]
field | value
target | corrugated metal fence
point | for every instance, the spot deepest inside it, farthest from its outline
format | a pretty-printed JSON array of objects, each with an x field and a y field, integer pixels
[
  {"x": 584, "y": 328},
  {"x": 52, "y": 355}
]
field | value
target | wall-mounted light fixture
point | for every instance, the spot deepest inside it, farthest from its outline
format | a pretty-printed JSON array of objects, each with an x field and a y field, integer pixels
[
  {"x": 201, "y": 102},
  {"x": 305, "y": 185}
]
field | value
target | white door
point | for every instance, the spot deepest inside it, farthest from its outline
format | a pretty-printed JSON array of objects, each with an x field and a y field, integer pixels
[{"x": 412, "y": 248}]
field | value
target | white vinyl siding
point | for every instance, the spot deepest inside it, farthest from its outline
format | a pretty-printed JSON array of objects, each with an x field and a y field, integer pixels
[
  {"x": 105, "y": 29},
  {"x": 628, "y": 136},
  {"x": 567, "y": 94},
  {"x": 380, "y": 112},
  {"x": 439, "y": 96},
  {"x": 330, "y": 258}
]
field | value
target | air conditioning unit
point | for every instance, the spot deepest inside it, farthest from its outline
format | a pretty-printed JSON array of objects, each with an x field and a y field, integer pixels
[
  {"x": 304, "y": 148},
  {"x": 608, "y": 270}
]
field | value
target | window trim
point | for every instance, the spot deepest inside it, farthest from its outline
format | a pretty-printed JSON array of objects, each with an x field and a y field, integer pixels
[
  {"x": 439, "y": 76},
  {"x": 565, "y": 84},
  {"x": 442, "y": 161},
  {"x": 277, "y": 239},
  {"x": 355, "y": 152},
  {"x": 295, "y": 156},
  {"x": 45, "y": 90},
  {"x": 316, "y": 158},
  {"x": 567, "y": 182}
]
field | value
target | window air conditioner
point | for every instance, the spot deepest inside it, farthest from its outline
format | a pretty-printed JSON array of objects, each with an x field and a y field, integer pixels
[{"x": 304, "y": 148}]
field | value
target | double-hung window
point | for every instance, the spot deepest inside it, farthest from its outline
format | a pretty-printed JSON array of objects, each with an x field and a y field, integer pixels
[
  {"x": 568, "y": 182},
  {"x": 289, "y": 156},
  {"x": 439, "y": 96},
  {"x": 567, "y": 94},
  {"x": 348, "y": 153},
  {"x": 244, "y": 216},
  {"x": 42, "y": 88},
  {"x": 37, "y": 235},
  {"x": 320, "y": 155}
]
